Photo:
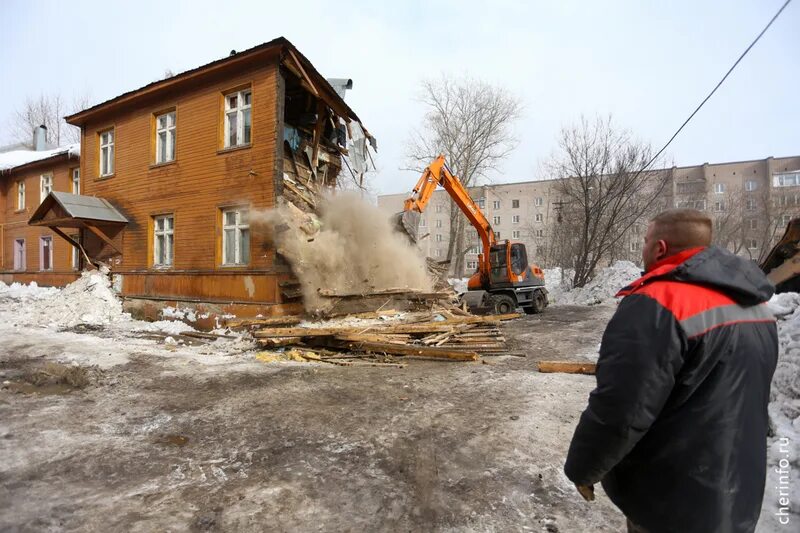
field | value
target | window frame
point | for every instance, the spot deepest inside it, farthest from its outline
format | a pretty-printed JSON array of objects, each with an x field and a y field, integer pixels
[
  {"x": 719, "y": 188},
  {"x": 750, "y": 185},
  {"x": 168, "y": 260},
  {"x": 49, "y": 178},
  {"x": 495, "y": 204},
  {"x": 496, "y": 220},
  {"x": 237, "y": 228},
  {"x": 74, "y": 253},
  {"x": 106, "y": 152},
  {"x": 537, "y": 202},
  {"x": 170, "y": 133},
  {"x": 23, "y": 257},
  {"x": 515, "y": 234},
  {"x": 51, "y": 246},
  {"x": 515, "y": 204},
  {"x": 539, "y": 217},
  {"x": 240, "y": 110},
  {"x": 21, "y": 198},
  {"x": 75, "y": 180},
  {"x": 515, "y": 219}
]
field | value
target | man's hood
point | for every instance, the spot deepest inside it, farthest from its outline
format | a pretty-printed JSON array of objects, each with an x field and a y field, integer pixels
[{"x": 739, "y": 278}]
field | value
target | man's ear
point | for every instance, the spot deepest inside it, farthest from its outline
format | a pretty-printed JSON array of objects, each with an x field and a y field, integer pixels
[{"x": 661, "y": 253}]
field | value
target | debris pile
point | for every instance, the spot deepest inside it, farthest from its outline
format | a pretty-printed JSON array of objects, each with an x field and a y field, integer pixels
[
  {"x": 384, "y": 337},
  {"x": 602, "y": 288}
]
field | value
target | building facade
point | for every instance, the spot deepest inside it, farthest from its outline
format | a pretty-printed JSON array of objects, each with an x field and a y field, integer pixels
[
  {"x": 184, "y": 165},
  {"x": 750, "y": 202}
]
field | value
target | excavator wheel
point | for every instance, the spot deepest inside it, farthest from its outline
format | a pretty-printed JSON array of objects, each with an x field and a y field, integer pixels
[
  {"x": 538, "y": 305},
  {"x": 503, "y": 304}
]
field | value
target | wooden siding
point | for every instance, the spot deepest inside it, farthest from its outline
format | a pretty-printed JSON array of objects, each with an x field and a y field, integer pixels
[
  {"x": 14, "y": 225},
  {"x": 201, "y": 180}
]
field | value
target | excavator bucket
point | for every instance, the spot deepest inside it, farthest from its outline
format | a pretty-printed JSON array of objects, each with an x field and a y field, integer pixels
[{"x": 407, "y": 223}]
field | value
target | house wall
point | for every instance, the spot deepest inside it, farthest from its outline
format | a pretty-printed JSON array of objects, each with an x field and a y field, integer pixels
[
  {"x": 14, "y": 225},
  {"x": 203, "y": 179}
]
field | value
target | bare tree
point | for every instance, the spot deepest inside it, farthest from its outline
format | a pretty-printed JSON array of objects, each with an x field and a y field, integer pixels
[
  {"x": 470, "y": 121},
  {"x": 603, "y": 191},
  {"x": 774, "y": 210},
  {"x": 730, "y": 225},
  {"x": 48, "y": 111}
]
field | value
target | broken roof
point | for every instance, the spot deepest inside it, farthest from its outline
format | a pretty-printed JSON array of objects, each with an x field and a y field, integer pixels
[
  {"x": 77, "y": 206},
  {"x": 327, "y": 93},
  {"x": 17, "y": 158}
]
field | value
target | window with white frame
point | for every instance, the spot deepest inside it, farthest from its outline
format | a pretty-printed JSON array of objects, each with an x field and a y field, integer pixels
[
  {"x": 46, "y": 253},
  {"x": 496, "y": 204},
  {"x": 539, "y": 217},
  {"x": 163, "y": 240},
  {"x": 235, "y": 237},
  {"x": 75, "y": 254},
  {"x": 537, "y": 201},
  {"x": 514, "y": 204},
  {"x": 497, "y": 235},
  {"x": 75, "y": 177},
  {"x": 719, "y": 206},
  {"x": 496, "y": 220},
  {"x": 753, "y": 223},
  {"x": 515, "y": 234},
  {"x": 752, "y": 244},
  {"x": 20, "y": 195},
  {"x": 750, "y": 185},
  {"x": 438, "y": 208},
  {"x": 439, "y": 237},
  {"x": 107, "y": 153},
  {"x": 237, "y": 118},
  {"x": 45, "y": 186},
  {"x": 19, "y": 254},
  {"x": 636, "y": 246},
  {"x": 472, "y": 265},
  {"x": 438, "y": 252},
  {"x": 482, "y": 203},
  {"x": 787, "y": 179},
  {"x": 750, "y": 204},
  {"x": 515, "y": 219},
  {"x": 165, "y": 137},
  {"x": 474, "y": 250},
  {"x": 438, "y": 223},
  {"x": 540, "y": 233},
  {"x": 719, "y": 188}
]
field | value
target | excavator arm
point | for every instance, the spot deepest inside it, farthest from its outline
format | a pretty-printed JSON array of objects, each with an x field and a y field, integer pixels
[{"x": 436, "y": 174}]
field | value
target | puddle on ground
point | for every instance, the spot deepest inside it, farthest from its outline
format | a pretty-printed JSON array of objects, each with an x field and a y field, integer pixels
[{"x": 173, "y": 440}]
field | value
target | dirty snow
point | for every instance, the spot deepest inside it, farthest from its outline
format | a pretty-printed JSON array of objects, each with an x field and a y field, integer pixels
[
  {"x": 459, "y": 284},
  {"x": 602, "y": 288},
  {"x": 783, "y": 462},
  {"x": 84, "y": 323}
]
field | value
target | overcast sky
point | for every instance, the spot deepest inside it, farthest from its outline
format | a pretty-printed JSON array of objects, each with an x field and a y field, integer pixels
[{"x": 647, "y": 63}]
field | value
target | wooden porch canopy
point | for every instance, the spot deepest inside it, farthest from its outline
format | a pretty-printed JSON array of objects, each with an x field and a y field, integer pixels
[{"x": 65, "y": 210}]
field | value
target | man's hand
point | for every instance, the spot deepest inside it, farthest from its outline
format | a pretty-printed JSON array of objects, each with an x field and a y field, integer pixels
[{"x": 587, "y": 491}]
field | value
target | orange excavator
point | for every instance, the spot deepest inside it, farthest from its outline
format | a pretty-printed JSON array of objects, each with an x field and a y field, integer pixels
[{"x": 504, "y": 280}]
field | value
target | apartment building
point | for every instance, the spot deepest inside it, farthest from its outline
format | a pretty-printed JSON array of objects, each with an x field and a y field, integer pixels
[
  {"x": 172, "y": 171},
  {"x": 750, "y": 202},
  {"x": 28, "y": 173}
]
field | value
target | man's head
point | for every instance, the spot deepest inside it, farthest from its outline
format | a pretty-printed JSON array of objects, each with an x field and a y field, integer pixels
[{"x": 673, "y": 231}]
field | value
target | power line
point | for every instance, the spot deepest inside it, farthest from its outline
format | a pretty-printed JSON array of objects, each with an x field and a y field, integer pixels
[{"x": 685, "y": 122}]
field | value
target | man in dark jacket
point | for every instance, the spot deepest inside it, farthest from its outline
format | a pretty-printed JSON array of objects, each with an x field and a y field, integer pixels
[{"x": 676, "y": 428}]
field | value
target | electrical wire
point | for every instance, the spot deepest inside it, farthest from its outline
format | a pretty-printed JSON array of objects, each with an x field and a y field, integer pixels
[{"x": 685, "y": 122}]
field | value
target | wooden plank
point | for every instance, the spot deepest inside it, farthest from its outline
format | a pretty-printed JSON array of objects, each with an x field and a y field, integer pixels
[
  {"x": 412, "y": 350},
  {"x": 289, "y": 320},
  {"x": 431, "y": 327},
  {"x": 567, "y": 367}
]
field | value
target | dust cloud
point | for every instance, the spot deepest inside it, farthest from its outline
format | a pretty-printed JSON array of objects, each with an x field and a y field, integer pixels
[{"x": 351, "y": 248}]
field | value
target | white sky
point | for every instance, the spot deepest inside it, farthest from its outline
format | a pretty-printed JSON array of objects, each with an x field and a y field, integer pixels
[{"x": 647, "y": 63}]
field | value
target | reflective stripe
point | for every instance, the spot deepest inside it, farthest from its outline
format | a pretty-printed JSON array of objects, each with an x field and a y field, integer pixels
[{"x": 725, "y": 314}]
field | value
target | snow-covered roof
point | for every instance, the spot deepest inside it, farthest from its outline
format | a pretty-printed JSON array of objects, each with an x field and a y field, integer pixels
[{"x": 17, "y": 158}]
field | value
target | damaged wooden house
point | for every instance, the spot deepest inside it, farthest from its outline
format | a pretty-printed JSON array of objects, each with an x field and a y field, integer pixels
[{"x": 171, "y": 171}]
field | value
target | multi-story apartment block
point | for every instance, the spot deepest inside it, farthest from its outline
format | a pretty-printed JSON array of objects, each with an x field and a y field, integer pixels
[
  {"x": 750, "y": 202},
  {"x": 171, "y": 173}
]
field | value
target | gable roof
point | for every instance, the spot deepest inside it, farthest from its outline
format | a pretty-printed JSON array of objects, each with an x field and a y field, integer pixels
[
  {"x": 19, "y": 158},
  {"x": 328, "y": 94},
  {"x": 77, "y": 206}
]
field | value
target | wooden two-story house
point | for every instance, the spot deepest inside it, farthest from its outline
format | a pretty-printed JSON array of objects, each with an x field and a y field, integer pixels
[
  {"x": 27, "y": 176},
  {"x": 183, "y": 162}
]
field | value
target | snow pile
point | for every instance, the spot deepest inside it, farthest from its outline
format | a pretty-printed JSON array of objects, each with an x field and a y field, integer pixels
[
  {"x": 783, "y": 462},
  {"x": 87, "y": 300},
  {"x": 601, "y": 288},
  {"x": 18, "y": 291}
]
